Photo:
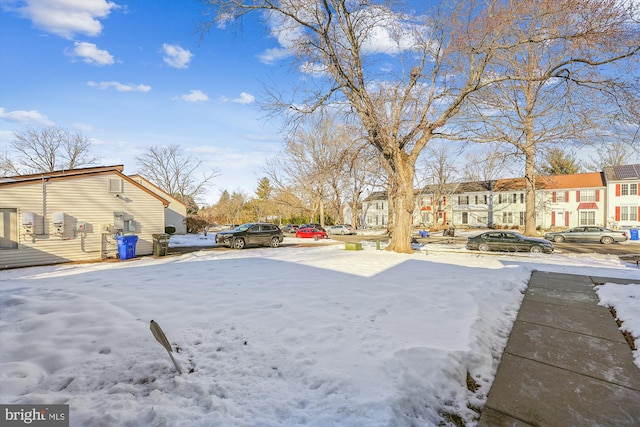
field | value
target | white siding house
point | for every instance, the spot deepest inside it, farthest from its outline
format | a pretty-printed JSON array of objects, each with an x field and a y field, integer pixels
[
  {"x": 75, "y": 215},
  {"x": 623, "y": 189},
  {"x": 574, "y": 200}
]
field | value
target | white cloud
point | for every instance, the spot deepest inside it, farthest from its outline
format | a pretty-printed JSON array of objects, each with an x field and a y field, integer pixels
[
  {"x": 65, "y": 17},
  {"x": 176, "y": 56},
  {"x": 244, "y": 98},
  {"x": 195, "y": 96},
  {"x": 386, "y": 32},
  {"x": 315, "y": 69},
  {"x": 270, "y": 56},
  {"x": 90, "y": 54},
  {"x": 21, "y": 116},
  {"x": 120, "y": 87}
]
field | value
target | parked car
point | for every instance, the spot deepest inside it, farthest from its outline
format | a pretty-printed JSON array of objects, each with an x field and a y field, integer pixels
[
  {"x": 313, "y": 225},
  {"x": 311, "y": 233},
  {"x": 251, "y": 234},
  {"x": 341, "y": 229},
  {"x": 588, "y": 234},
  {"x": 290, "y": 228},
  {"x": 508, "y": 241}
]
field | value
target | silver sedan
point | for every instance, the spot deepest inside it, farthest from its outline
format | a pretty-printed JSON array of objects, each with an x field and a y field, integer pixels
[{"x": 588, "y": 234}]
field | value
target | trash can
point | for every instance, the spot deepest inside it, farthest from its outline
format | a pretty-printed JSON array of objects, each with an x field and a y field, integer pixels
[
  {"x": 424, "y": 233},
  {"x": 127, "y": 246},
  {"x": 160, "y": 244},
  {"x": 634, "y": 233}
]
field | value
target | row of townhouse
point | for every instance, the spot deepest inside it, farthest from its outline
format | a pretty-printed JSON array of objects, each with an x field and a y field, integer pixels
[{"x": 609, "y": 198}]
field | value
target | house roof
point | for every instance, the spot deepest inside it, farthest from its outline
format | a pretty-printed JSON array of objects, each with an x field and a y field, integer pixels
[
  {"x": 623, "y": 172},
  {"x": 580, "y": 180},
  {"x": 376, "y": 195},
  {"x": 64, "y": 173},
  {"x": 553, "y": 182},
  {"x": 76, "y": 173}
]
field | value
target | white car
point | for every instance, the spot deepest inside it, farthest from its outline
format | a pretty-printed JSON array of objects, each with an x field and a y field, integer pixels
[{"x": 341, "y": 229}]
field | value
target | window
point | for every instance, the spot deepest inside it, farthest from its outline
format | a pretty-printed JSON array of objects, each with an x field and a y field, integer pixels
[
  {"x": 587, "y": 195},
  {"x": 560, "y": 197},
  {"x": 465, "y": 217},
  {"x": 481, "y": 199},
  {"x": 463, "y": 200},
  {"x": 628, "y": 213},
  {"x": 624, "y": 189},
  {"x": 587, "y": 218},
  {"x": 8, "y": 228},
  {"x": 521, "y": 217},
  {"x": 507, "y": 217}
]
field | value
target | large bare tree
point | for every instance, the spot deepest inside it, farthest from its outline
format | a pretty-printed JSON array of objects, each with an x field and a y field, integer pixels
[
  {"x": 180, "y": 175},
  {"x": 437, "y": 57},
  {"x": 570, "y": 69},
  {"x": 311, "y": 163},
  {"x": 45, "y": 150}
]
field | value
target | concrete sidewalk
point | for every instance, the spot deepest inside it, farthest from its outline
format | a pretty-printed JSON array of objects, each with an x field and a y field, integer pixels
[{"x": 566, "y": 363}]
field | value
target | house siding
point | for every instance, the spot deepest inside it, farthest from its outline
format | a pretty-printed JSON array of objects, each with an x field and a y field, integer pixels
[
  {"x": 175, "y": 214},
  {"x": 82, "y": 199}
]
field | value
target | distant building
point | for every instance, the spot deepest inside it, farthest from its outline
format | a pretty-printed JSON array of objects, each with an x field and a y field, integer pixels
[
  {"x": 623, "y": 195},
  {"x": 609, "y": 198}
]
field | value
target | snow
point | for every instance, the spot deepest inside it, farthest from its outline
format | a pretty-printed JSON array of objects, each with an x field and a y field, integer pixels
[{"x": 314, "y": 335}]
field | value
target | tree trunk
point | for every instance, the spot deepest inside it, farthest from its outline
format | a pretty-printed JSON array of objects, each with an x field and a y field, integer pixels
[
  {"x": 401, "y": 204},
  {"x": 530, "y": 163}
]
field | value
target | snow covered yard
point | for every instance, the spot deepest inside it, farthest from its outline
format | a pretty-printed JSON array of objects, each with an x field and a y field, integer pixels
[{"x": 314, "y": 336}]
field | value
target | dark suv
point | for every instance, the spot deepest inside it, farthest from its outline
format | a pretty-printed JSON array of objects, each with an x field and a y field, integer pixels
[{"x": 251, "y": 234}]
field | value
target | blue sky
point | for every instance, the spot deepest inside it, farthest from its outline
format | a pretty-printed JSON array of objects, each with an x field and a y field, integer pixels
[{"x": 131, "y": 75}]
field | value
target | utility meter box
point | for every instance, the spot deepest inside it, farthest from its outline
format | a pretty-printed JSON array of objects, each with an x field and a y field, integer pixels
[
  {"x": 58, "y": 219},
  {"x": 118, "y": 220},
  {"x": 58, "y": 222},
  {"x": 28, "y": 219},
  {"x": 81, "y": 226}
]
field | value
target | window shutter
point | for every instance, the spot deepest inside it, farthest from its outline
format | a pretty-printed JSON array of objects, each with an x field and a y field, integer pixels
[
  {"x": 597, "y": 195},
  {"x": 617, "y": 213},
  {"x": 566, "y": 219},
  {"x": 553, "y": 199},
  {"x": 578, "y": 196},
  {"x": 566, "y": 197},
  {"x": 553, "y": 218},
  {"x": 618, "y": 190}
]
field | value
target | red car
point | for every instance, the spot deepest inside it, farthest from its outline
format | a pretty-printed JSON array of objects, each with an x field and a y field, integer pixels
[{"x": 309, "y": 233}]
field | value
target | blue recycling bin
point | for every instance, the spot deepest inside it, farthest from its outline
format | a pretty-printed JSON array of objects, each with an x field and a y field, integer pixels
[
  {"x": 424, "y": 233},
  {"x": 634, "y": 233},
  {"x": 127, "y": 246}
]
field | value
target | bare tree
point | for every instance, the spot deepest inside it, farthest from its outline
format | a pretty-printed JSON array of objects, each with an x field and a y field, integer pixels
[
  {"x": 613, "y": 154},
  {"x": 487, "y": 162},
  {"x": 174, "y": 172},
  {"x": 311, "y": 162},
  {"x": 45, "y": 150},
  {"x": 439, "y": 172},
  {"x": 440, "y": 57},
  {"x": 565, "y": 78}
]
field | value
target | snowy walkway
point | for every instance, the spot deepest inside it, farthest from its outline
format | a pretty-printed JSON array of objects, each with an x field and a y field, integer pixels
[{"x": 566, "y": 363}]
